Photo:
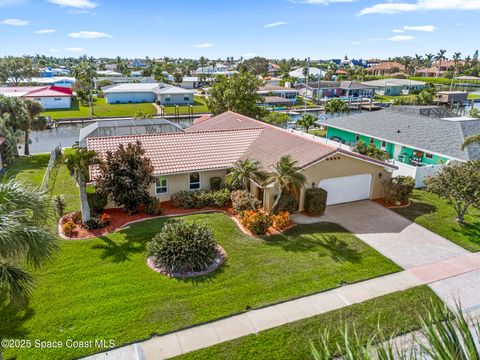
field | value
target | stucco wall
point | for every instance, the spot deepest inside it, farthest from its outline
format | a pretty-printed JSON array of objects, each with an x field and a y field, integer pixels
[
  {"x": 176, "y": 183},
  {"x": 134, "y": 97},
  {"x": 177, "y": 99},
  {"x": 54, "y": 102}
]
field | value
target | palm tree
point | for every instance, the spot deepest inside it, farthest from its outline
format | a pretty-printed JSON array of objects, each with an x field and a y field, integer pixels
[
  {"x": 33, "y": 108},
  {"x": 286, "y": 174},
  {"x": 78, "y": 161},
  {"x": 23, "y": 238},
  {"x": 429, "y": 60},
  {"x": 474, "y": 139},
  {"x": 416, "y": 63},
  {"x": 456, "y": 60},
  {"x": 334, "y": 106},
  {"x": 85, "y": 73},
  {"x": 241, "y": 174},
  {"x": 307, "y": 121},
  {"x": 439, "y": 58}
]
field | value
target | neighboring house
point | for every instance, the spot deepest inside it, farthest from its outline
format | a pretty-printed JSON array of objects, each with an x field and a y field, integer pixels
[
  {"x": 123, "y": 127},
  {"x": 190, "y": 82},
  {"x": 386, "y": 68},
  {"x": 51, "y": 72},
  {"x": 276, "y": 95},
  {"x": 188, "y": 161},
  {"x": 312, "y": 71},
  {"x": 51, "y": 97},
  {"x": 108, "y": 73},
  {"x": 332, "y": 89},
  {"x": 395, "y": 87},
  {"x": 147, "y": 92},
  {"x": 59, "y": 81},
  {"x": 419, "y": 139},
  {"x": 273, "y": 69},
  {"x": 448, "y": 97},
  {"x": 439, "y": 68},
  {"x": 218, "y": 69},
  {"x": 122, "y": 80}
]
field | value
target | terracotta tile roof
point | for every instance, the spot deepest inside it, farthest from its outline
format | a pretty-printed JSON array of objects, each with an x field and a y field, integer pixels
[
  {"x": 183, "y": 152},
  {"x": 387, "y": 66}
]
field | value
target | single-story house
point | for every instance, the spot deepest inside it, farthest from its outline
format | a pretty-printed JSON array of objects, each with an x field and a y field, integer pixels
[
  {"x": 275, "y": 94},
  {"x": 312, "y": 71},
  {"x": 418, "y": 136},
  {"x": 51, "y": 97},
  {"x": 386, "y": 68},
  {"x": 395, "y": 87},
  {"x": 448, "y": 97},
  {"x": 147, "y": 92},
  {"x": 108, "y": 73},
  {"x": 189, "y": 82},
  {"x": 59, "y": 81},
  {"x": 188, "y": 161},
  {"x": 330, "y": 89}
]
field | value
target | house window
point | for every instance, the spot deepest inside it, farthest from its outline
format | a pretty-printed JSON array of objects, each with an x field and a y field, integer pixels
[
  {"x": 429, "y": 156},
  {"x": 167, "y": 98},
  {"x": 372, "y": 140},
  {"x": 384, "y": 145},
  {"x": 161, "y": 185},
  {"x": 194, "y": 181},
  {"x": 186, "y": 98},
  {"x": 38, "y": 99},
  {"x": 57, "y": 99},
  {"x": 357, "y": 137}
]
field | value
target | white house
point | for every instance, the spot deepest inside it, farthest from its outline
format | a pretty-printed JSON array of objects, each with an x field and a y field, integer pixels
[
  {"x": 312, "y": 71},
  {"x": 51, "y": 97},
  {"x": 189, "y": 82},
  {"x": 147, "y": 92},
  {"x": 275, "y": 94}
]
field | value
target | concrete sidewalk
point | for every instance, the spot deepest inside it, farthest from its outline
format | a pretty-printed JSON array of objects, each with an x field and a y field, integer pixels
[{"x": 254, "y": 321}]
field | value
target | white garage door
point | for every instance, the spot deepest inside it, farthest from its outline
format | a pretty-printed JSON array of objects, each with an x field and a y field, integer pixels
[{"x": 347, "y": 188}]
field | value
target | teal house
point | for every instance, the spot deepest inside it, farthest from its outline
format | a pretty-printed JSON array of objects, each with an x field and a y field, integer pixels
[{"x": 412, "y": 135}]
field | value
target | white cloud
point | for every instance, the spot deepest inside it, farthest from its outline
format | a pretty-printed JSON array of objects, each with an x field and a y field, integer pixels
[
  {"x": 75, "y": 49},
  {"x": 45, "y": 31},
  {"x": 78, "y": 4},
  {"x": 53, "y": 50},
  {"x": 89, "y": 35},
  {"x": 14, "y": 22},
  {"x": 398, "y": 30},
  {"x": 401, "y": 38},
  {"x": 275, "y": 24},
  {"x": 418, "y": 5},
  {"x": 427, "y": 28},
  {"x": 203, "y": 46}
]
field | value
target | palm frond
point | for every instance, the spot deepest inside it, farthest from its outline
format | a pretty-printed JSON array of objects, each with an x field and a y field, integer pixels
[{"x": 15, "y": 282}]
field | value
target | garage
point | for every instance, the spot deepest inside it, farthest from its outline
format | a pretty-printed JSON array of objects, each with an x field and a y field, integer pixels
[{"x": 347, "y": 188}]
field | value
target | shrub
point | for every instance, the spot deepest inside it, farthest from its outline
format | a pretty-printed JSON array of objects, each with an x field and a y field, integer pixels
[
  {"x": 94, "y": 223},
  {"x": 97, "y": 202},
  {"x": 281, "y": 220},
  {"x": 315, "y": 201},
  {"x": 240, "y": 201},
  {"x": 59, "y": 205},
  {"x": 287, "y": 202},
  {"x": 200, "y": 198},
  {"x": 68, "y": 228},
  {"x": 257, "y": 222},
  {"x": 215, "y": 183},
  {"x": 106, "y": 219},
  {"x": 153, "y": 207},
  {"x": 77, "y": 217},
  {"x": 182, "y": 246},
  {"x": 399, "y": 189}
]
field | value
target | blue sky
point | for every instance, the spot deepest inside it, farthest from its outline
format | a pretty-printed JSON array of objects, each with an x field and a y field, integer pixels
[{"x": 271, "y": 28}]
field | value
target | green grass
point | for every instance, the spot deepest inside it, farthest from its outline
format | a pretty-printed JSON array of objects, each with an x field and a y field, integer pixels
[
  {"x": 435, "y": 214},
  {"x": 101, "y": 108},
  {"x": 473, "y": 96},
  {"x": 292, "y": 341},
  {"x": 389, "y": 98},
  {"x": 200, "y": 106},
  {"x": 318, "y": 132},
  {"x": 102, "y": 288}
]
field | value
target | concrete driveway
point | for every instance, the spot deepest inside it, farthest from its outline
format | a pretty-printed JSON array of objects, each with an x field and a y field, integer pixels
[{"x": 406, "y": 243}]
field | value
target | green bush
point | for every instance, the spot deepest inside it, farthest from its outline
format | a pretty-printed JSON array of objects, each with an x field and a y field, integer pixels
[
  {"x": 215, "y": 183},
  {"x": 315, "y": 201},
  {"x": 399, "y": 189},
  {"x": 257, "y": 222},
  {"x": 240, "y": 201},
  {"x": 200, "y": 198},
  {"x": 182, "y": 246},
  {"x": 288, "y": 203},
  {"x": 97, "y": 202},
  {"x": 59, "y": 205},
  {"x": 153, "y": 207},
  {"x": 94, "y": 223}
]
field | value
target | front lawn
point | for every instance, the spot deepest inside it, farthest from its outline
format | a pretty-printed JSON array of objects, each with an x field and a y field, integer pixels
[
  {"x": 473, "y": 96},
  {"x": 435, "y": 214},
  {"x": 388, "y": 98},
  {"x": 101, "y": 108},
  {"x": 395, "y": 313},
  {"x": 199, "y": 106},
  {"x": 103, "y": 289}
]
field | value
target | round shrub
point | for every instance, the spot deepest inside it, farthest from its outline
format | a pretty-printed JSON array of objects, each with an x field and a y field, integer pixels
[
  {"x": 281, "y": 220},
  {"x": 97, "y": 202},
  {"x": 315, "y": 201},
  {"x": 240, "y": 201},
  {"x": 153, "y": 207},
  {"x": 215, "y": 183},
  {"x": 257, "y": 222},
  {"x": 399, "y": 190},
  {"x": 184, "y": 199},
  {"x": 68, "y": 228},
  {"x": 183, "y": 247},
  {"x": 287, "y": 202}
]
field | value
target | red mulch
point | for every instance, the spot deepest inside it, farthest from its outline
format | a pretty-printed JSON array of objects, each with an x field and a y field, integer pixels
[{"x": 391, "y": 206}]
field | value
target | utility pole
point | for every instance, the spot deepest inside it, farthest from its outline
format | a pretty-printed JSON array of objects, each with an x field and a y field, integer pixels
[{"x": 306, "y": 85}]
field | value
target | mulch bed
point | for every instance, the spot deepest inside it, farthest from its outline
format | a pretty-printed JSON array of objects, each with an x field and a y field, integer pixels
[{"x": 392, "y": 206}]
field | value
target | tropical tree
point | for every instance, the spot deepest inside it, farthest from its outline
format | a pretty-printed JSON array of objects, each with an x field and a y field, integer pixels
[
  {"x": 178, "y": 78},
  {"x": 85, "y": 73},
  {"x": 459, "y": 184},
  {"x": 425, "y": 97},
  {"x": 78, "y": 161},
  {"x": 474, "y": 139},
  {"x": 33, "y": 108},
  {"x": 307, "y": 121},
  {"x": 12, "y": 115},
  {"x": 240, "y": 176},
  {"x": 256, "y": 65},
  {"x": 336, "y": 106},
  {"x": 16, "y": 69},
  {"x": 439, "y": 58},
  {"x": 417, "y": 62},
  {"x": 277, "y": 118},
  {"x": 158, "y": 73},
  {"x": 286, "y": 175},
  {"x": 237, "y": 93},
  {"x": 429, "y": 60},
  {"x": 24, "y": 239}
]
